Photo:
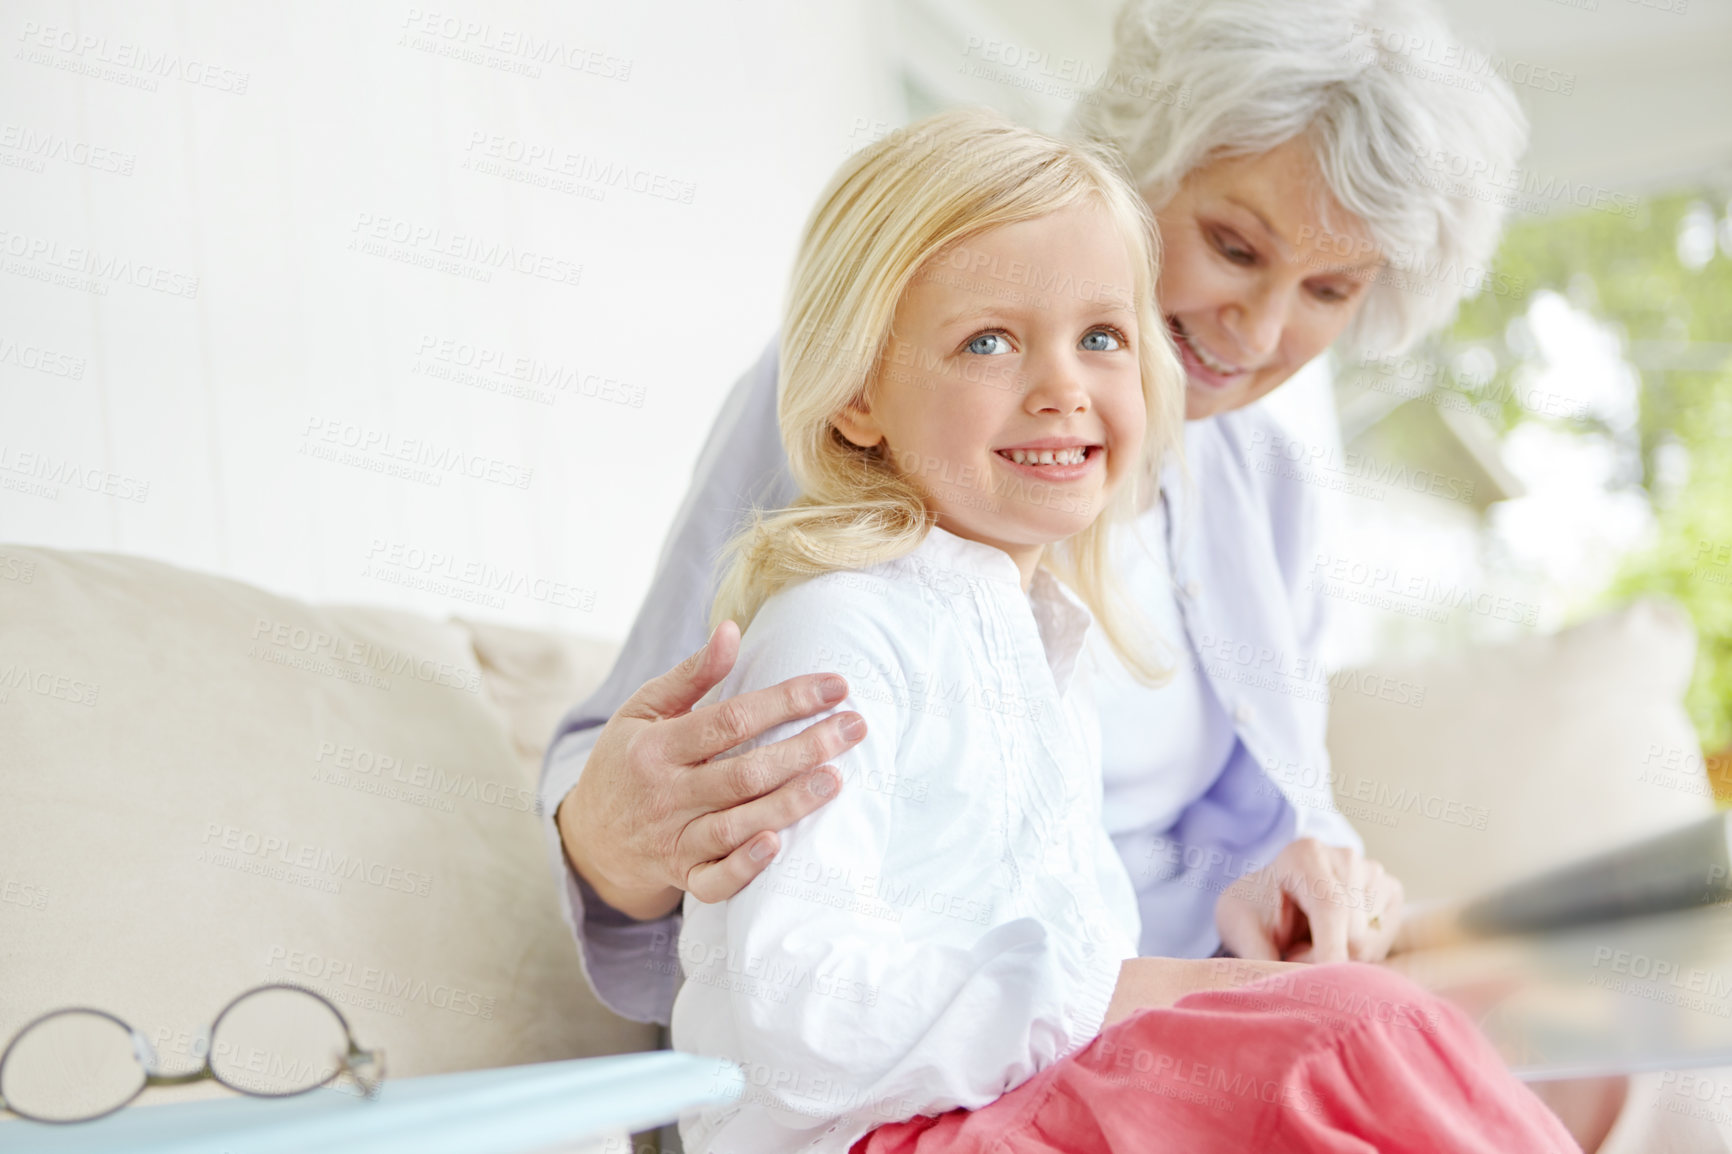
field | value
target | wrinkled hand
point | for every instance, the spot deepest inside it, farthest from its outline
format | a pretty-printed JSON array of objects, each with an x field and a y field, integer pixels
[
  {"x": 659, "y": 810},
  {"x": 1313, "y": 903}
]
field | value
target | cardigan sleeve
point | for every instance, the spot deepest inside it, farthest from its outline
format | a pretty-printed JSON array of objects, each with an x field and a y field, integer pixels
[{"x": 629, "y": 963}]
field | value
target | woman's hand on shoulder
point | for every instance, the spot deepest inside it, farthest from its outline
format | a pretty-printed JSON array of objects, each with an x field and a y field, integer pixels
[
  {"x": 660, "y": 810},
  {"x": 1313, "y": 903}
]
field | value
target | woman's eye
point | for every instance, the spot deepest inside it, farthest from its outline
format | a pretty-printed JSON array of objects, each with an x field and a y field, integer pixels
[
  {"x": 1102, "y": 341},
  {"x": 1231, "y": 248},
  {"x": 1331, "y": 294},
  {"x": 989, "y": 345}
]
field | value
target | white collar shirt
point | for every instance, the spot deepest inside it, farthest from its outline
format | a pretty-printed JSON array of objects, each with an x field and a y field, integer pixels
[{"x": 954, "y": 921}]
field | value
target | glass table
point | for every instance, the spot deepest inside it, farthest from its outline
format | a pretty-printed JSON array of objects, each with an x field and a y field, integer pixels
[{"x": 582, "y": 1105}]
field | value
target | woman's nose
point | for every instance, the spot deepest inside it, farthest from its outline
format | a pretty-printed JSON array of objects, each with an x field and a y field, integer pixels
[{"x": 1255, "y": 323}]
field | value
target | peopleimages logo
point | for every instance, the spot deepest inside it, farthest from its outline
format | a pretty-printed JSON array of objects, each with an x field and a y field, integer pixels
[
  {"x": 756, "y": 975},
  {"x": 1662, "y": 980},
  {"x": 581, "y": 167},
  {"x": 439, "y": 568},
  {"x": 136, "y": 65},
  {"x": 1359, "y": 474},
  {"x": 252, "y": 852},
  {"x": 422, "y": 244},
  {"x": 1407, "y": 51},
  {"x": 60, "y": 471},
  {"x": 46, "y": 254},
  {"x": 363, "y": 655},
  {"x": 347, "y": 974},
  {"x": 1413, "y": 594},
  {"x": 46, "y": 683},
  {"x": 1541, "y": 189},
  {"x": 495, "y": 369},
  {"x": 502, "y": 46},
  {"x": 345, "y": 442},
  {"x": 38, "y": 146},
  {"x": 882, "y": 897},
  {"x": 41, "y": 360},
  {"x": 1381, "y": 802},
  {"x": 359, "y": 764}
]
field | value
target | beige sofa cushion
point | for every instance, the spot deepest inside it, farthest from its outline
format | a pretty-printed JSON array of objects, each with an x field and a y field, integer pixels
[
  {"x": 1516, "y": 757},
  {"x": 534, "y": 677},
  {"x": 1523, "y": 755},
  {"x": 204, "y": 786}
]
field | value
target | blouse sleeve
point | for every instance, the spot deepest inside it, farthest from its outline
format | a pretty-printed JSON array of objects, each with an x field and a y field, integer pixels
[{"x": 839, "y": 1007}]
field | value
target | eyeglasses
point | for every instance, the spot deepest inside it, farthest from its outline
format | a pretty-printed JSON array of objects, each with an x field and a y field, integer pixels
[{"x": 273, "y": 1041}]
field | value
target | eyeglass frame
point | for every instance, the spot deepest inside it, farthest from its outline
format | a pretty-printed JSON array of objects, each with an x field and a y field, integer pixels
[{"x": 141, "y": 1047}]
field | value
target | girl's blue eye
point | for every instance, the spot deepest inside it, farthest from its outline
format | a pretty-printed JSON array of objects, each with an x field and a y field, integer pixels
[
  {"x": 989, "y": 345},
  {"x": 1101, "y": 341}
]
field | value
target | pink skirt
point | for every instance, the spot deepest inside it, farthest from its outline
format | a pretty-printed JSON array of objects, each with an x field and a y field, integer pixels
[{"x": 1335, "y": 1058}]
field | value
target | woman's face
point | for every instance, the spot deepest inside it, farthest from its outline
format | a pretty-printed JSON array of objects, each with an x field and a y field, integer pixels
[{"x": 1261, "y": 270}]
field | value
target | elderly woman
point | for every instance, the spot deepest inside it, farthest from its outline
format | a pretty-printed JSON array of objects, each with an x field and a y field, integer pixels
[{"x": 1287, "y": 159}]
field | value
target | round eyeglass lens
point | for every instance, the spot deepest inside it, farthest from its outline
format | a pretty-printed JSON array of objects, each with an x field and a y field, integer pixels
[
  {"x": 278, "y": 1041},
  {"x": 70, "y": 1066}
]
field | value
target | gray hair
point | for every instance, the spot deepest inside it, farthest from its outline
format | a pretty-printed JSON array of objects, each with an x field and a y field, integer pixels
[{"x": 1413, "y": 130}]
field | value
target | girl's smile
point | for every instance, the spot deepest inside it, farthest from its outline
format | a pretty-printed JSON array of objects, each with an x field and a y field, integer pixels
[
  {"x": 1054, "y": 459},
  {"x": 1017, "y": 410}
]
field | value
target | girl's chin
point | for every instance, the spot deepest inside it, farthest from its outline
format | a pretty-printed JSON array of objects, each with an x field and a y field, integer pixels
[{"x": 1043, "y": 521}]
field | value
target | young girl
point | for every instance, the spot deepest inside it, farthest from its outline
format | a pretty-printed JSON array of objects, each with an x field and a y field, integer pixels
[{"x": 975, "y": 389}]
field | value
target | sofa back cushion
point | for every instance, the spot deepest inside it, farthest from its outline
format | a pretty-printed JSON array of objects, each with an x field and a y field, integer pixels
[
  {"x": 1489, "y": 763},
  {"x": 205, "y": 787}
]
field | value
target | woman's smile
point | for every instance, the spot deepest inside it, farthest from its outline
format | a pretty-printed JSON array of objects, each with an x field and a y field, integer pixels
[
  {"x": 1200, "y": 365},
  {"x": 1249, "y": 283}
]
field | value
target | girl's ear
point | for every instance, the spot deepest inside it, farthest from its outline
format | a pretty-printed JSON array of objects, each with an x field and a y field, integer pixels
[{"x": 856, "y": 423}]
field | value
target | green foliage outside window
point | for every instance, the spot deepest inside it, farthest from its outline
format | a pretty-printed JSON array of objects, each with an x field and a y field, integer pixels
[{"x": 1636, "y": 275}]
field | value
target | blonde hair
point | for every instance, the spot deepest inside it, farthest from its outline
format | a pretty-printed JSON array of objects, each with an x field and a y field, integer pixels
[{"x": 894, "y": 206}]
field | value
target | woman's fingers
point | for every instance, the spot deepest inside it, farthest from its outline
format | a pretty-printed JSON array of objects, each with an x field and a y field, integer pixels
[
  {"x": 663, "y": 780},
  {"x": 744, "y": 800},
  {"x": 680, "y": 688},
  {"x": 1363, "y": 893},
  {"x": 1322, "y": 886},
  {"x": 1331, "y": 923},
  {"x": 715, "y": 836},
  {"x": 733, "y": 781},
  {"x": 1244, "y": 927},
  {"x": 714, "y": 729},
  {"x": 1313, "y": 903},
  {"x": 716, "y": 881},
  {"x": 1386, "y": 910}
]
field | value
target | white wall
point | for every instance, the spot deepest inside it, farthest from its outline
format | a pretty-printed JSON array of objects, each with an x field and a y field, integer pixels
[
  {"x": 244, "y": 146},
  {"x": 202, "y": 182}
]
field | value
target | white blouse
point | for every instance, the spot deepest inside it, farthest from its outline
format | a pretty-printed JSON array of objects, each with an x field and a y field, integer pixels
[
  {"x": 1154, "y": 770},
  {"x": 954, "y": 921}
]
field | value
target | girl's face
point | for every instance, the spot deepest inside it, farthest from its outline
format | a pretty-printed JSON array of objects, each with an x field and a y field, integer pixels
[
  {"x": 1010, "y": 389},
  {"x": 1261, "y": 270}
]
